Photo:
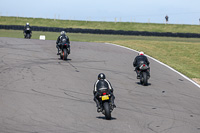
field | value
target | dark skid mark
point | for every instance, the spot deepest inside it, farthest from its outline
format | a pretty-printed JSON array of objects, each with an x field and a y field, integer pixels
[
  {"x": 71, "y": 96},
  {"x": 76, "y": 69},
  {"x": 61, "y": 97},
  {"x": 42, "y": 67},
  {"x": 76, "y": 92},
  {"x": 88, "y": 61}
]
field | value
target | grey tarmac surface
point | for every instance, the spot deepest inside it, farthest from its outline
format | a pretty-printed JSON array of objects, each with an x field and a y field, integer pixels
[{"x": 41, "y": 94}]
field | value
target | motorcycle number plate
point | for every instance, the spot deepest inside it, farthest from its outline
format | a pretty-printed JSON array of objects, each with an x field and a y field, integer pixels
[{"x": 106, "y": 97}]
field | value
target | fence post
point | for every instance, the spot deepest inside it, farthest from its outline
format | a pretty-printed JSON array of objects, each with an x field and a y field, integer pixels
[{"x": 55, "y": 17}]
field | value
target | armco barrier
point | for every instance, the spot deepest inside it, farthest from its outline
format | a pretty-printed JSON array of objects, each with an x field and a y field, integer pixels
[{"x": 97, "y": 31}]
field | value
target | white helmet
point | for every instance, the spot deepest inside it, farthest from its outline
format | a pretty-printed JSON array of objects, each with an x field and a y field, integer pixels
[
  {"x": 27, "y": 23},
  {"x": 62, "y": 32},
  {"x": 141, "y": 53}
]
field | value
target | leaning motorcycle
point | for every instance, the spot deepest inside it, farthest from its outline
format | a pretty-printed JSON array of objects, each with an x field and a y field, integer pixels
[
  {"x": 64, "y": 49},
  {"x": 144, "y": 73},
  {"x": 106, "y": 104},
  {"x": 27, "y": 33}
]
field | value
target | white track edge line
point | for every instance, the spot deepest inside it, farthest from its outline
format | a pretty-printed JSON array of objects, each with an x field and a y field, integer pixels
[{"x": 158, "y": 62}]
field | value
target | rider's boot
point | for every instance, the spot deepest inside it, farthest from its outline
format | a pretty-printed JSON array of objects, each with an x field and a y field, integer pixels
[
  {"x": 138, "y": 74},
  {"x": 58, "y": 52},
  {"x": 112, "y": 102},
  {"x": 99, "y": 109}
]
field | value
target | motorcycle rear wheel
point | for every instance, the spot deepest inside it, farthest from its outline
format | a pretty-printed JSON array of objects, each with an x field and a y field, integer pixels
[
  {"x": 107, "y": 110},
  {"x": 145, "y": 79},
  {"x": 65, "y": 54},
  {"x": 141, "y": 78}
]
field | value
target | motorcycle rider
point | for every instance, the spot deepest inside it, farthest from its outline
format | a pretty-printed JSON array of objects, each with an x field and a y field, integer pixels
[
  {"x": 25, "y": 29},
  {"x": 137, "y": 60},
  {"x": 59, "y": 40},
  {"x": 102, "y": 82}
]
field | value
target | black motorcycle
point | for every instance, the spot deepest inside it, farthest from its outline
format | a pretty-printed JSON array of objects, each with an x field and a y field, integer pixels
[
  {"x": 144, "y": 73},
  {"x": 64, "y": 47},
  {"x": 27, "y": 33},
  {"x": 106, "y": 104}
]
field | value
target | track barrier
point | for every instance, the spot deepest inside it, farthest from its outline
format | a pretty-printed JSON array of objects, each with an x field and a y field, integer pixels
[{"x": 97, "y": 31}]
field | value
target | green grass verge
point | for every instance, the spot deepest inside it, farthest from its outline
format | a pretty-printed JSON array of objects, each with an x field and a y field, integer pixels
[
  {"x": 183, "y": 54},
  {"x": 127, "y": 26}
]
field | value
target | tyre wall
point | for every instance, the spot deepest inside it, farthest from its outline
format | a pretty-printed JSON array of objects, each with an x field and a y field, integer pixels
[{"x": 97, "y": 31}]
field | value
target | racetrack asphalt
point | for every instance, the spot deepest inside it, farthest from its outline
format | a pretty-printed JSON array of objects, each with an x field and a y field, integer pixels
[{"x": 39, "y": 93}]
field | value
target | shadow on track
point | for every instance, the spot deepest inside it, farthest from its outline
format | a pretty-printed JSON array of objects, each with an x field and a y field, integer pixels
[
  {"x": 141, "y": 84},
  {"x": 65, "y": 60},
  {"x": 104, "y": 118}
]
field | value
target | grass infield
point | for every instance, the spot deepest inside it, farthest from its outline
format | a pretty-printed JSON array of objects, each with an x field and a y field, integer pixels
[{"x": 127, "y": 26}]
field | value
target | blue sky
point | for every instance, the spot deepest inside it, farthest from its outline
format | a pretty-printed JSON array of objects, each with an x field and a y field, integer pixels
[{"x": 153, "y": 11}]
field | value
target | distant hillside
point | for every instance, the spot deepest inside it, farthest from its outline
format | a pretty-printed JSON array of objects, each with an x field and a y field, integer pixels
[{"x": 127, "y": 26}]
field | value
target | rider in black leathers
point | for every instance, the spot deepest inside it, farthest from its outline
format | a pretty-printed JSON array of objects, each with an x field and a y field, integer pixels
[
  {"x": 138, "y": 59},
  {"x": 102, "y": 82},
  {"x": 62, "y": 35},
  {"x": 25, "y": 29}
]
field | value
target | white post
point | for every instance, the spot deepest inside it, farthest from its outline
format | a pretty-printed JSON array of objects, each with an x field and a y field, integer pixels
[{"x": 54, "y": 17}]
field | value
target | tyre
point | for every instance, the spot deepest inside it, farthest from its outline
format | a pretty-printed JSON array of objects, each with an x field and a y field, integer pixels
[
  {"x": 28, "y": 36},
  {"x": 107, "y": 110},
  {"x": 145, "y": 79},
  {"x": 65, "y": 54},
  {"x": 141, "y": 78}
]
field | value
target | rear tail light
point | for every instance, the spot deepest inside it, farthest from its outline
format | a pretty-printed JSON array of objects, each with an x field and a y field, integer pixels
[
  {"x": 104, "y": 93},
  {"x": 143, "y": 64}
]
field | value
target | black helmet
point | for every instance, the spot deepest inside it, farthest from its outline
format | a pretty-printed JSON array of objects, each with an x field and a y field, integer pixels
[{"x": 101, "y": 76}]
